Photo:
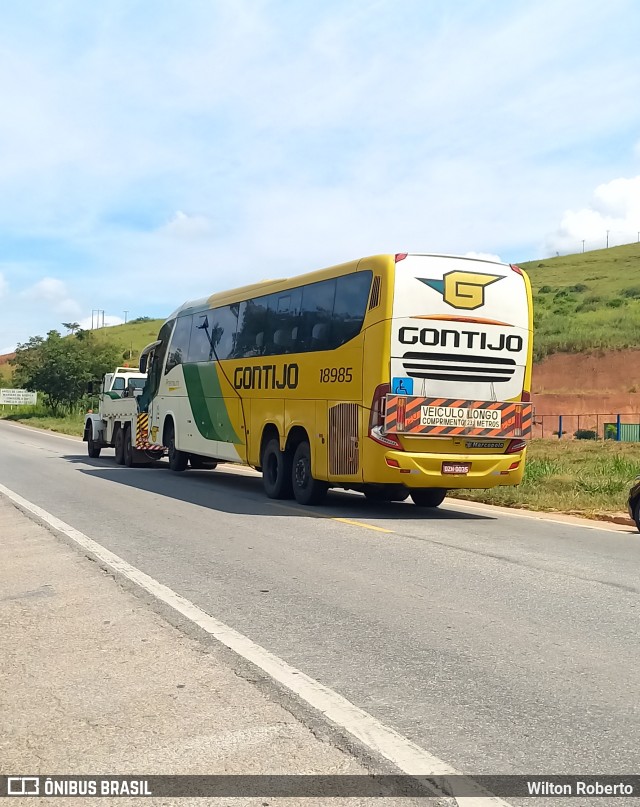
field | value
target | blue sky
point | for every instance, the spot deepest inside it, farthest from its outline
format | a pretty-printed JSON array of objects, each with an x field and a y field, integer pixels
[{"x": 151, "y": 152}]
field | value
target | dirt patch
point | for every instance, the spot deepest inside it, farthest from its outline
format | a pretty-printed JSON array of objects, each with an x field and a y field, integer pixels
[
  {"x": 598, "y": 373},
  {"x": 587, "y": 389}
]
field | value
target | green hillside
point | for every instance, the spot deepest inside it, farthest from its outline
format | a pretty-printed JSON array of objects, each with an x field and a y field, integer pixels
[
  {"x": 131, "y": 337},
  {"x": 589, "y": 301}
]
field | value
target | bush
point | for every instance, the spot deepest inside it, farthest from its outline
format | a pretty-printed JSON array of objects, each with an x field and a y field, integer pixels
[
  {"x": 585, "y": 434},
  {"x": 633, "y": 292},
  {"x": 579, "y": 287},
  {"x": 545, "y": 290},
  {"x": 587, "y": 307},
  {"x": 615, "y": 303}
]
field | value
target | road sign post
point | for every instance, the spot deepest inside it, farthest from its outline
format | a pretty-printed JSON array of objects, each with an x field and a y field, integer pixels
[{"x": 18, "y": 397}]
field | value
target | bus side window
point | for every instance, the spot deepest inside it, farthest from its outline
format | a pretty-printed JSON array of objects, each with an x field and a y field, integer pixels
[
  {"x": 285, "y": 317},
  {"x": 199, "y": 346},
  {"x": 315, "y": 318},
  {"x": 223, "y": 331},
  {"x": 179, "y": 348},
  {"x": 252, "y": 322},
  {"x": 352, "y": 295}
]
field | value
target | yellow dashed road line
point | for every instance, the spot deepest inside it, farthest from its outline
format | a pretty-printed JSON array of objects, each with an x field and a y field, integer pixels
[{"x": 306, "y": 512}]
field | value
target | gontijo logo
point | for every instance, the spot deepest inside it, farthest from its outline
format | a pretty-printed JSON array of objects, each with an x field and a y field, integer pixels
[{"x": 462, "y": 289}]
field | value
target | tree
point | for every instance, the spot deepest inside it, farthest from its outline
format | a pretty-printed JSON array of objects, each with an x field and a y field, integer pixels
[
  {"x": 71, "y": 326},
  {"x": 60, "y": 368}
]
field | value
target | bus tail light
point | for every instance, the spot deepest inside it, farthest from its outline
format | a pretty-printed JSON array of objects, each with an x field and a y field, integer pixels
[
  {"x": 526, "y": 396},
  {"x": 516, "y": 268},
  {"x": 515, "y": 446},
  {"x": 400, "y": 256},
  {"x": 376, "y": 420}
]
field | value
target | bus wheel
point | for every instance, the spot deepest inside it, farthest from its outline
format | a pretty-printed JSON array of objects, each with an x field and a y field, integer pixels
[
  {"x": 177, "y": 459},
  {"x": 306, "y": 489},
  {"x": 276, "y": 471},
  {"x": 201, "y": 463},
  {"x": 428, "y": 497},
  {"x": 120, "y": 446},
  {"x": 386, "y": 493}
]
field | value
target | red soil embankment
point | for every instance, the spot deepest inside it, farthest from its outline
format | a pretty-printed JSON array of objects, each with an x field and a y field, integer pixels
[{"x": 594, "y": 386}]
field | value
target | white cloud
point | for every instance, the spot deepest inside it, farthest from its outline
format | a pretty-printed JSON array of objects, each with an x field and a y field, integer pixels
[
  {"x": 185, "y": 226},
  {"x": 615, "y": 206},
  {"x": 53, "y": 293},
  {"x": 484, "y": 256},
  {"x": 98, "y": 321}
]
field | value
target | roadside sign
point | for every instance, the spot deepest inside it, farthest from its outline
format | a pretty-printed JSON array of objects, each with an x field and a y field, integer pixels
[{"x": 18, "y": 397}]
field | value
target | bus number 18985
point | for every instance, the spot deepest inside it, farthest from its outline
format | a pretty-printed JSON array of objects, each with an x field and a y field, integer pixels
[{"x": 331, "y": 374}]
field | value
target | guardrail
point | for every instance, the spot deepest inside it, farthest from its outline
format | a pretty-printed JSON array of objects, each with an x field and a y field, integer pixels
[{"x": 624, "y": 428}]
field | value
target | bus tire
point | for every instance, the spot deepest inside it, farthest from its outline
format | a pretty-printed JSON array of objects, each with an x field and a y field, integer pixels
[
  {"x": 306, "y": 489},
  {"x": 178, "y": 460},
  {"x": 201, "y": 463},
  {"x": 276, "y": 471},
  {"x": 119, "y": 445},
  {"x": 386, "y": 493},
  {"x": 127, "y": 449},
  {"x": 428, "y": 497}
]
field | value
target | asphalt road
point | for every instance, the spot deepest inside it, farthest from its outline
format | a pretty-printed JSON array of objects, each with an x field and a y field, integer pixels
[{"x": 502, "y": 644}]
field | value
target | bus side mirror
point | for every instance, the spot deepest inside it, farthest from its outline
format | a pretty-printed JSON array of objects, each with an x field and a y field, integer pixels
[{"x": 143, "y": 363}]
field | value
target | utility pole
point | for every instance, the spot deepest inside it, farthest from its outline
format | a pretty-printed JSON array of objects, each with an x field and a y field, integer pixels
[
  {"x": 125, "y": 317},
  {"x": 607, "y": 239},
  {"x": 583, "y": 240}
]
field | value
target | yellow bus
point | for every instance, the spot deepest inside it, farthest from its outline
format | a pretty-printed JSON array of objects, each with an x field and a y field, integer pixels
[{"x": 394, "y": 375}]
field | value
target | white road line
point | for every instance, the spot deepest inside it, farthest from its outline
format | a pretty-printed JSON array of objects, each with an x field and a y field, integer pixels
[
  {"x": 34, "y": 430},
  {"x": 402, "y": 752},
  {"x": 497, "y": 510}
]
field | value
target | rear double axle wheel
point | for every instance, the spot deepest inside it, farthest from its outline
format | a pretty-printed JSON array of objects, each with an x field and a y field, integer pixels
[{"x": 287, "y": 474}]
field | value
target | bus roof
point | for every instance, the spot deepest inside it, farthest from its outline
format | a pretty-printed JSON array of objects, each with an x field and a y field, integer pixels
[{"x": 281, "y": 284}]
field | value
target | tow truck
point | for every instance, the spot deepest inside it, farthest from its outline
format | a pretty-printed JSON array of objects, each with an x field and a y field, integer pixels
[{"x": 116, "y": 424}]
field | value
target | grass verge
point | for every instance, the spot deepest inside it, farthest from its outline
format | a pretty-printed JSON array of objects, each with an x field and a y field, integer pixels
[
  {"x": 570, "y": 476},
  {"x": 42, "y": 418}
]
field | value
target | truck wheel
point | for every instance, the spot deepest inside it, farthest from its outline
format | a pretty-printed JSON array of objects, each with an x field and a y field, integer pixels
[
  {"x": 428, "y": 497},
  {"x": 276, "y": 471},
  {"x": 128, "y": 448},
  {"x": 306, "y": 489},
  {"x": 177, "y": 459},
  {"x": 120, "y": 446},
  {"x": 93, "y": 448}
]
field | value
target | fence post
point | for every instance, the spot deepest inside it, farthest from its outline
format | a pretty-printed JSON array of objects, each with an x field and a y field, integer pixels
[
  {"x": 618, "y": 427},
  {"x": 559, "y": 426}
]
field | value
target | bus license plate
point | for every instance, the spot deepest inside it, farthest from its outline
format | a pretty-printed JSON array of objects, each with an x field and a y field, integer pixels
[{"x": 456, "y": 467}]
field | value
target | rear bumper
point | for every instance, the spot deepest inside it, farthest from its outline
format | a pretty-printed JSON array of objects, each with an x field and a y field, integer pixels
[{"x": 425, "y": 470}]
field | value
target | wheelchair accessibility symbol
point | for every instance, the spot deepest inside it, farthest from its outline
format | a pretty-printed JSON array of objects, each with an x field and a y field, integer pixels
[{"x": 402, "y": 386}]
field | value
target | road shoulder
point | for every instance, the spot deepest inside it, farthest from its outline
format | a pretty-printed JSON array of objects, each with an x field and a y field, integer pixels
[{"x": 97, "y": 682}]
